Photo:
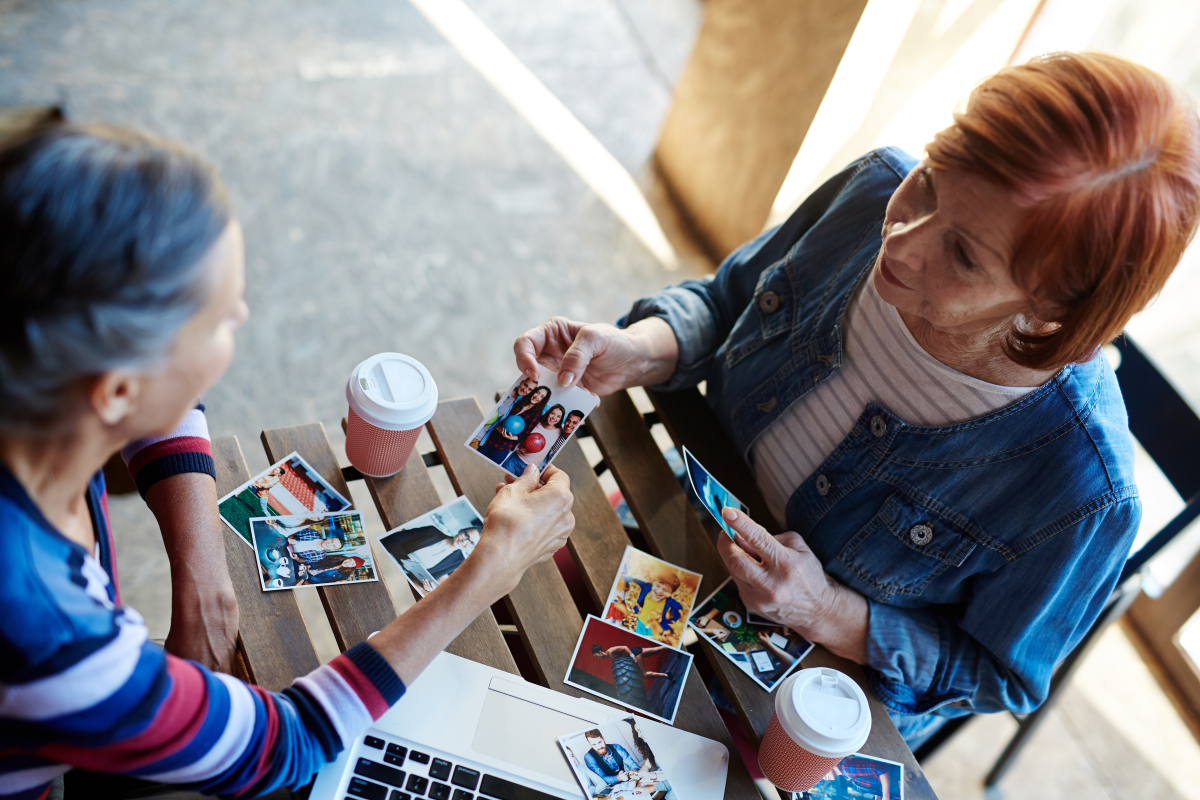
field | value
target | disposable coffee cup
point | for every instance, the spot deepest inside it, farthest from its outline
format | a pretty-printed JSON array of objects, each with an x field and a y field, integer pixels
[
  {"x": 821, "y": 716},
  {"x": 391, "y": 397}
]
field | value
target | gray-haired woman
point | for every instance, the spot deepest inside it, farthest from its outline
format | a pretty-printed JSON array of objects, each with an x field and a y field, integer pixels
[{"x": 121, "y": 283}]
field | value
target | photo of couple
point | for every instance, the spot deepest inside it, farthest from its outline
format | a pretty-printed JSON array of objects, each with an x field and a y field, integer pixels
[
  {"x": 615, "y": 761},
  {"x": 765, "y": 651},
  {"x": 312, "y": 551},
  {"x": 433, "y": 545},
  {"x": 652, "y": 597},
  {"x": 289, "y": 487},
  {"x": 531, "y": 423}
]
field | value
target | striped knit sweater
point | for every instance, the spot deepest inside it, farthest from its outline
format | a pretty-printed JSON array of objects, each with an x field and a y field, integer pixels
[{"x": 81, "y": 685}]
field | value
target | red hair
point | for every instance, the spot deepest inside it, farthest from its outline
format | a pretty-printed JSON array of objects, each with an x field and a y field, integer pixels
[
  {"x": 1104, "y": 155},
  {"x": 358, "y": 562}
]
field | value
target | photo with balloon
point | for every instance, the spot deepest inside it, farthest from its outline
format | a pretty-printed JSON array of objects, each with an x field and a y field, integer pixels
[{"x": 532, "y": 422}]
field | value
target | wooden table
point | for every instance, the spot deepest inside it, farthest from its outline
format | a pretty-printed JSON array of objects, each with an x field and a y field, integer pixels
[{"x": 274, "y": 646}]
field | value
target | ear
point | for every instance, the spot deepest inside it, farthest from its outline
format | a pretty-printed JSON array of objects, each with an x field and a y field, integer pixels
[{"x": 113, "y": 395}]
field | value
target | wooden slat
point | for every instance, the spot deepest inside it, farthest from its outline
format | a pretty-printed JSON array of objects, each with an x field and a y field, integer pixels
[
  {"x": 674, "y": 532},
  {"x": 550, "y": 623},
  {"x": 355, "y": 610},
  {"x": 274, "y": 642},
  {"x": 408, "y": 495}
]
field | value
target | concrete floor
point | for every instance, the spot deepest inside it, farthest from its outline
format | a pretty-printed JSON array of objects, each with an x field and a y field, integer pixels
[{"x": 393, "y": 201}]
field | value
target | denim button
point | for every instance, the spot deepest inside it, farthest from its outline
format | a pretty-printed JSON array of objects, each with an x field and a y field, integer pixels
[
  {"x": 878, "y": 426},
  {"x": 823, "y": 485},
  {"x": 768, "y": 302},
  {"x": 920, "y": 534}
]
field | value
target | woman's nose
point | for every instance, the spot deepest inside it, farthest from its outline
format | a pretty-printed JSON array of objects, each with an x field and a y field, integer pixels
[{"x": 906, "y": 244}]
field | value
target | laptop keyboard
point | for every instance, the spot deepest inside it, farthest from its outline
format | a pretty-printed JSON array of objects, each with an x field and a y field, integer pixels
[{"x": 390, "y": 771}]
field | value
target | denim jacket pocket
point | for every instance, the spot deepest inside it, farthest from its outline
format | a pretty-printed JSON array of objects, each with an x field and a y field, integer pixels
[
  {"x": 767, "y": 317},
  {"x": 903, "y": 548}
]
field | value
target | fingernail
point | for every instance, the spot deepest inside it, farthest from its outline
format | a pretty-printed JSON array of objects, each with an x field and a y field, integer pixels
[
  {"x": 729, "y": 514},
  {"x": 566, "y": 378}
]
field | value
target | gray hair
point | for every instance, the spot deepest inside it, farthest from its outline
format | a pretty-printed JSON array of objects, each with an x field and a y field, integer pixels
[{"x": 102, "y": 234}]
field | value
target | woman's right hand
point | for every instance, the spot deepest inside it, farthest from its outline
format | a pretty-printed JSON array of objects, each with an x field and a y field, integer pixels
[
  {"x": 599, "y": 357},
  {"x": 525, "y": 524}
]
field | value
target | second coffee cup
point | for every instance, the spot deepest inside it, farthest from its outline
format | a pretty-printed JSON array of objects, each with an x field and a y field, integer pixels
[
  {"x": 821, "y": 716},
  {"x": 391, "y": 397}
]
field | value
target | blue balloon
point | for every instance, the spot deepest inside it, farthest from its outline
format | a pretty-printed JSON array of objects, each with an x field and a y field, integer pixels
[{"x": 514, "y": 425}]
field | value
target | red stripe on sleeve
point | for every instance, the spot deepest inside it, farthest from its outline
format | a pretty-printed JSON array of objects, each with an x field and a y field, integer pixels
[
  {"x": 178, "y": 720},
  {"x": 362, "y": 686},
  {"x": 269, "y": 737},
  {"x": 167, "y": 447}
]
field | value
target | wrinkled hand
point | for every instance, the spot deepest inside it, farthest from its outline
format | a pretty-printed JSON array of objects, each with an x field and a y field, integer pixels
[
  {"x": 526, "y": 523},
  {"x": 778, "y": 577},
  {"x": 599, "y": 357}
]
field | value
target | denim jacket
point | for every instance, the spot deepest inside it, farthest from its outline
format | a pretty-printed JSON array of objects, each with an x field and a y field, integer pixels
[{"x": 1032, "y": 508}]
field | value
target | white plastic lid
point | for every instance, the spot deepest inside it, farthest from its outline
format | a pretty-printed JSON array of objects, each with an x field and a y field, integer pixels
[
  {"x": 824, "y": 711},
  {"x": 392, "y": 391}
]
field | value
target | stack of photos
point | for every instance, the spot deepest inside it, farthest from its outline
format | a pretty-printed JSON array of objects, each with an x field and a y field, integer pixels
[
  {"x": 767, "y": 653},
  {"x": 652, "y": 597},
  {"x": 615, "y": 761},
  {"x": 858, "y": 777},
  {"x": 532, "y": 423},
  {"x": 321, "y": 550},
  {"x": 289, "y": 487},
  {"x": 628, "y": 669},
  {"x": 712, "y": 494},
  {"x": 433, "y": 545}
]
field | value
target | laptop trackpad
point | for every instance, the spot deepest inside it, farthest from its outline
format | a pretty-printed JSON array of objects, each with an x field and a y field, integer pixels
[{"x": 515, "y": 728}]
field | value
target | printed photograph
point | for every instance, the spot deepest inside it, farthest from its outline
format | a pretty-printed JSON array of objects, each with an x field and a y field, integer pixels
[
  {"x": 860, "y": 777},
  {"x": 287, "y": 488},
  {"x": 712, "y": 494},
  {"x": 615, "y": 761},
  {"x": 532, "y": 423},
  {"x": 765, "y": 652},
  {"x": 433, "y": 545},
  {"x": 322, "y": 550},
  {"x": 652, "y": 597},
  {"x": 628, "y": 669}
]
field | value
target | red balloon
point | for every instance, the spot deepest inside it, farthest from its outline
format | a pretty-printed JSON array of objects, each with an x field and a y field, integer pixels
[{"x": 534, "y": 442}]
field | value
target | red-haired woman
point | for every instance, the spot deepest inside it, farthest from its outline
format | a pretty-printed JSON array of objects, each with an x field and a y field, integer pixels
[{"x": 911, "y": 366}]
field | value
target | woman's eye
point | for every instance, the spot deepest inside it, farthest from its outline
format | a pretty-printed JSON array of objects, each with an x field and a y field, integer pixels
[{"x": 961, "y": 255}]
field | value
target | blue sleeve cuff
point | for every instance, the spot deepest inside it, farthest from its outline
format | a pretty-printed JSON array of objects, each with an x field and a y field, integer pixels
[{"x": 377, "y": 670}]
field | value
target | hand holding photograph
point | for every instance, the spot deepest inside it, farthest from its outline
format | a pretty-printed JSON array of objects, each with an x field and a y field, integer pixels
[
  {"x": 434, "y": 545},
  {"x": 288, "y": 487},
  {"x": 532, "y": 422},
  {"x": 320, "y": 550},
  {"x": 628, "y": 669},
  {"x": 615, "y": 761},
  {"x": 766, "y": 652},
  {"x": 652, "y": 597}
]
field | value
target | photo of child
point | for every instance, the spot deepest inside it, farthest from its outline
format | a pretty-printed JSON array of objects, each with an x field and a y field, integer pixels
[
  {"x": 628, "y": 669},
  {"x": 321, "y": 550},
  {"x": 712, "y": 494},
  {"x": 652, "y": 597},
  {"x": 767, "y": 653},
  {"x": 288, "y": 487},
  {"x": 433, "y": 545},
  {"x": 615, "y": 761},
  {"x": 860, "y": 777},
  {"x": 531, "y": 423}
]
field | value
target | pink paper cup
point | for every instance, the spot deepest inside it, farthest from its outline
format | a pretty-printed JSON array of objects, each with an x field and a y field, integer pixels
[
  {"x": 821, "y": 716},
  {"x": 391, "y": 397}
]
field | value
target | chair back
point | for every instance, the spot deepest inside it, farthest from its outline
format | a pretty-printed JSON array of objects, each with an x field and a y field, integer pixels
[{"x": 1168, "y": 428}]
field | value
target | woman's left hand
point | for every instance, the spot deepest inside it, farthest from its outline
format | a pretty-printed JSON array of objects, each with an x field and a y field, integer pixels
[{"x": 782, "y": 579}]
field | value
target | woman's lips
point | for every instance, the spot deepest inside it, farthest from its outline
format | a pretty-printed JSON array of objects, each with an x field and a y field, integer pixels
[{"x": 888, "y": 275}]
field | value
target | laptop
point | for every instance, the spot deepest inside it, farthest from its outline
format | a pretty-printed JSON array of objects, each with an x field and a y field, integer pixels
[{"x": 466, "y": 731}]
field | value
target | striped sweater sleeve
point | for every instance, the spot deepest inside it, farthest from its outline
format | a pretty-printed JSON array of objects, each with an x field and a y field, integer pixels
[{"x": 186, "y": 449}]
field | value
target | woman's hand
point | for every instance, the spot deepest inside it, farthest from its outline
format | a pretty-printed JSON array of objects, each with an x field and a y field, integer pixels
[
  {"x": 526, "y": 523},
  {"x": 781, "y": 578},
  {"x": 599, "y": 357}
]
